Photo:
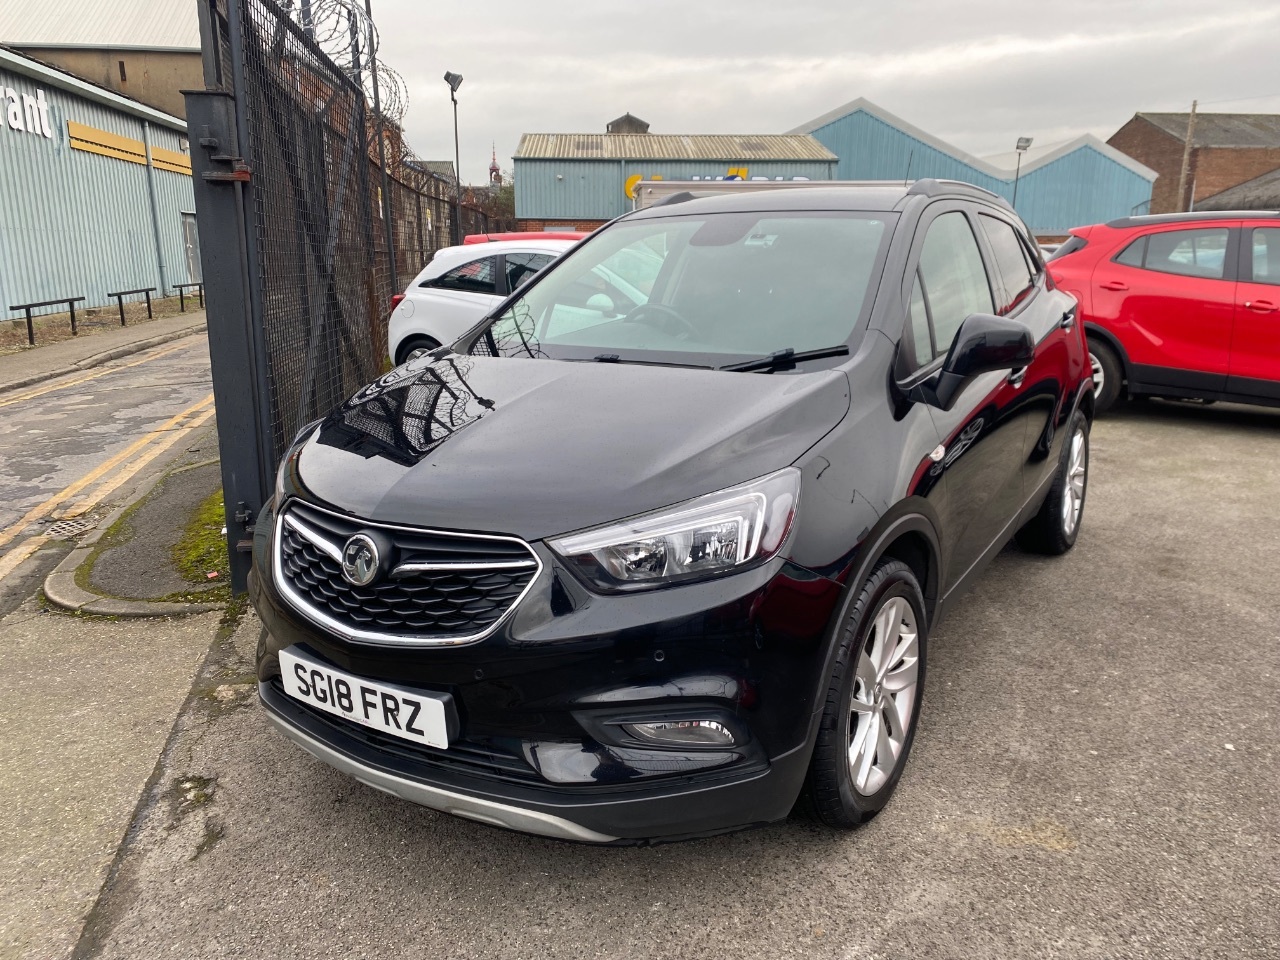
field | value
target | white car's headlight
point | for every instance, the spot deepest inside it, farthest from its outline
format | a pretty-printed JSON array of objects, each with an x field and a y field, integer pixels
[{"x": 708, "y": 536}]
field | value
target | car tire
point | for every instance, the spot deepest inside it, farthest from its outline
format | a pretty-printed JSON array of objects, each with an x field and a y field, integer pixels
[
  {"x": 414, "y": 347},
  {"x": 849, "y": 781},
  {"x": 1108, "y": 375},
  {"x": 1054, "y": 529}
]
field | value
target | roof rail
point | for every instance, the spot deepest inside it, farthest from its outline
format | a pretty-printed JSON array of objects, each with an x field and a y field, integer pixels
[
  {"x": 931, "y": 187},
  {"x": 1192, "y": 215}
]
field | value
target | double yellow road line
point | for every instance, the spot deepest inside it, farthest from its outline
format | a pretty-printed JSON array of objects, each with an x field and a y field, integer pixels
[{"x": 95, "y": 486}]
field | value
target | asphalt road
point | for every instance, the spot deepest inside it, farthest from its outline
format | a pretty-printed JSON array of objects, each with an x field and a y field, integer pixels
[
  {"x": 1096, "y": 776},
  {"x": 75, "y": 446}
]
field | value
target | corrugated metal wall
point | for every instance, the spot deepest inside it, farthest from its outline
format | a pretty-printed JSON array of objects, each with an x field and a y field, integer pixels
[
  {"x": 74, "y": 223},
  {"x": 594, "y": 189},
  {"x": 1080, "y": 188}
]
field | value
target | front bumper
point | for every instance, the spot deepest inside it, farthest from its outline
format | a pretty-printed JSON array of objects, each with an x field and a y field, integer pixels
[{"x": 539, "y": 704}]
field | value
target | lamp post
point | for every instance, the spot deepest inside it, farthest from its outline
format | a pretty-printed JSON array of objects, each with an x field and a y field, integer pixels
[
  {"x": 454, "y": 80},
  {"x": 1024, "y": 144}
]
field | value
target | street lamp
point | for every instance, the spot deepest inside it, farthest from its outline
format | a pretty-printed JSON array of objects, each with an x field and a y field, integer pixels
[
  {"x": 454, "y": 80},
  {"x": 1024, "y": 144}
]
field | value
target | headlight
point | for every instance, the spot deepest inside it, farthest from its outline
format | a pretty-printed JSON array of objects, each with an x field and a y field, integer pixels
[{"x": 721, "y": 532}]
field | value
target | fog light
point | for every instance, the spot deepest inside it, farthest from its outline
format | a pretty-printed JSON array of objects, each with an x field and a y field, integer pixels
[{"x": 707, "y": 733}]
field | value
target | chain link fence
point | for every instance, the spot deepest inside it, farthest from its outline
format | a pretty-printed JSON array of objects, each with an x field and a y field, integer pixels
[
  {"x": 319, "y": 256},
  {"x": 302, "y": 272}
]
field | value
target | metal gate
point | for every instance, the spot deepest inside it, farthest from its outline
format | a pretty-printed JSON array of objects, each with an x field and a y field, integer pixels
[{"x": 299, "y": 263}]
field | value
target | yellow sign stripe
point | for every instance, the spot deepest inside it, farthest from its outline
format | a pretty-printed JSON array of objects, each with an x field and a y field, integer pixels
[{"x": 96, "y": 474}]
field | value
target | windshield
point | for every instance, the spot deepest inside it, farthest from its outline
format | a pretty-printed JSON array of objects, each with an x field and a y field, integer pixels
[{"x": 704, "y": 290}]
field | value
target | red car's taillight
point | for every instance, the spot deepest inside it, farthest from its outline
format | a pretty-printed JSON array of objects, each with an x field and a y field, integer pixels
[{"x": 395, "y": 301}]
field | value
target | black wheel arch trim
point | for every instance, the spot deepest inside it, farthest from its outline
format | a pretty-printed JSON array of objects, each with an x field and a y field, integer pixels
[
  {"x": 913, "y": 515},
  {"x": 1092, "y": 329}
]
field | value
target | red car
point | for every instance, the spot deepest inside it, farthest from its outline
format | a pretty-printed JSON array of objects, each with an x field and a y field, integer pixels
[{"x": 1179, "y": 305}]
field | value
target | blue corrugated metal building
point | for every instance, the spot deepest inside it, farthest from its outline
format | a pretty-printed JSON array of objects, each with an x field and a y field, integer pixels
[
  {"x": 1062, "y": 186},
  {"x": 80, "y": 167},
  {"x": 587, "y": 177}
]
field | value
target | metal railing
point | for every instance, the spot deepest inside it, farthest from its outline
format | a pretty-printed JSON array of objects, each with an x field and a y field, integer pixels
[
  {"x": 28, "y": 307},
  {"x": 121, "y": 294},
  {"x": 182, "y": 296}
]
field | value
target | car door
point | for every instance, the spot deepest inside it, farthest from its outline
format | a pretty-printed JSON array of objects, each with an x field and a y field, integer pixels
[
  {"x": 1169, "y": 295},
  {"x": 979, "y": 461},
  {"x": 447, "y": 306},
  {"x": 1255, "y": 343},
  {"x": 1045, "y": 385}
]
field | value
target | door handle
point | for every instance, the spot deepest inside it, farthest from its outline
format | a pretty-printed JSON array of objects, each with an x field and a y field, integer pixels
[
  {"x": 1259, "y": 306},
  {"x": 1114, "y": 285},
  {"x": 1016, "y": 378}
]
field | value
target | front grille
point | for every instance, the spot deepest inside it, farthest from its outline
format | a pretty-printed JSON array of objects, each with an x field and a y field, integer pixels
[{"x": 438, "y": 587}]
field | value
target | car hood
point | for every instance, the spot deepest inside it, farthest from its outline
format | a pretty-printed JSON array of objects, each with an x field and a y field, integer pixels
[{"x": 536, "y": 448}]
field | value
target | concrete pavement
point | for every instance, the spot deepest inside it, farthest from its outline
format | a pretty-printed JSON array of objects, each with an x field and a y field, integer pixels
[
  {"x": 86, "y": 706},
  {"x": 1095, "y": 777}
]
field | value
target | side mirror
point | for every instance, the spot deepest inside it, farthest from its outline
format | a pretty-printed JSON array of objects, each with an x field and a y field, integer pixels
[
  {"x": 983, "y": 343},
  {"x": 603, "y": 304}
]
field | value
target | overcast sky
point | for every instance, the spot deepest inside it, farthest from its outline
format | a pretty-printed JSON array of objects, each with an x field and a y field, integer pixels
[{"x": 978, "y": 73}]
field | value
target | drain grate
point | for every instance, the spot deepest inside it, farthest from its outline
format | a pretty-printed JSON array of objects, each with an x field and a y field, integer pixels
[{"x": 65, "y": 529}]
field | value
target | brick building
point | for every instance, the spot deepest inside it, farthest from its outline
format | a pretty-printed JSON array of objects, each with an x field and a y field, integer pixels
[{"x": 1227, "y": 149}]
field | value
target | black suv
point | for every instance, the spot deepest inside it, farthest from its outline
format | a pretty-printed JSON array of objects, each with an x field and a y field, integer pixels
[{"x": 656, "y": 549}]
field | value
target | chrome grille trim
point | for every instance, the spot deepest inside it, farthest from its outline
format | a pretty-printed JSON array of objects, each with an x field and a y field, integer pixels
[{"x": 373, "y": 637}]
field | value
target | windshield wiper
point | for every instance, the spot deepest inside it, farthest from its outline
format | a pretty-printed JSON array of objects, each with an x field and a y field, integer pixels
[
  {"x": 787, "y": 359},
  {"x": 615, "y": 358}
]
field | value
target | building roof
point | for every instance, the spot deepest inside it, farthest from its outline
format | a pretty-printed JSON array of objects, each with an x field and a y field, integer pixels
[
  {"x": 439, "y": 168},
  {"x": 1042, "y": 157},
  {"x": 28, "y": 66},
  {"x": 1260, "y": 193},
  {"x": 117, "y": 24},
  {"x": 670, "y": 146},
  {"x": 1221, "y": 129}
]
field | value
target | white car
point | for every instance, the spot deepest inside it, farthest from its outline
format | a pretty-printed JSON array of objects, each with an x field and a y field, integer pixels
[{"x": 458, "y": 287}]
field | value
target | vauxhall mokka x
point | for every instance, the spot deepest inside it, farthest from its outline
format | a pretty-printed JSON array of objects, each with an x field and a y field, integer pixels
[{"x": 656, "y": 549}]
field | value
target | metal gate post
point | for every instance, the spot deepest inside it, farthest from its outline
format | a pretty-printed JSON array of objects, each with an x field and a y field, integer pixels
[{"x": 244, "y": 439}]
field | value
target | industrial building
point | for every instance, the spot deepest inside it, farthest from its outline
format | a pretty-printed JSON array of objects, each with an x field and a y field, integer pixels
[
  {"x": 1058, "y": 186},
  {"x": 95, "y": 190},
  {"x": 582, "y": 180},
  {"x": 1228, "y": 150}
]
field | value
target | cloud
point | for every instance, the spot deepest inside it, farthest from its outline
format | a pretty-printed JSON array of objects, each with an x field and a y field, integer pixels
[{"x": 978, "y": 74}]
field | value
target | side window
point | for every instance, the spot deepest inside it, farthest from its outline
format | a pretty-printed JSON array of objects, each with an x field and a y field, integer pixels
[
  {"x": 521, "y": 266},
  {"x": 1188, "y": 253},
  {"x": 921, "y": 330},
  {"x": 1133, "y": 254},
  {"x": 478, "y": 276},
  {"x": 1011, "y": 261},
  {"x": 1266, "y": 255},
  {"x": 955, "y": 281}
]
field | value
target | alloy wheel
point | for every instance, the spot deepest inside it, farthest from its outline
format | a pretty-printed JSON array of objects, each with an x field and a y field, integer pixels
[
  {"x": 417, "y": 352},
  {"x": 884, "y": 695},
  {"x": 1099, "y": 374},
  {"x": 1077, "y": 471}
]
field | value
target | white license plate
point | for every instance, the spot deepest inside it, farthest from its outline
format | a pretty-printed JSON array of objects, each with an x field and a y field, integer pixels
[{"x": 407, "y": 714}]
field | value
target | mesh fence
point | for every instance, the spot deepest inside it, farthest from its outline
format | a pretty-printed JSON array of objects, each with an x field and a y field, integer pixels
[{"x": 319, "y": 259}]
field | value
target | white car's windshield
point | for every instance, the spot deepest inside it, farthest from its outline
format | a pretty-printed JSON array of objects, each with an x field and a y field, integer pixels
[{"x": 702, "y": 289}]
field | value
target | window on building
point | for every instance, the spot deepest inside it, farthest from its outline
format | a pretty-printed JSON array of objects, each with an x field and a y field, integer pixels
[{"x": 1012, "y": 260}]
